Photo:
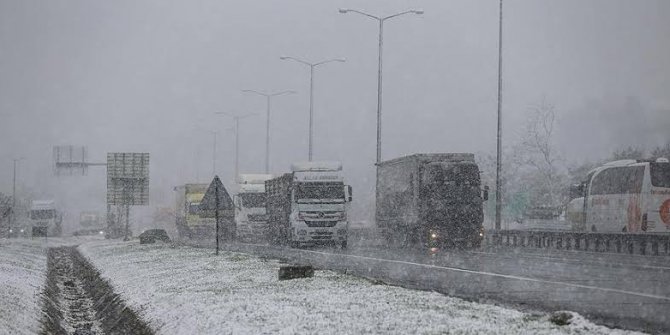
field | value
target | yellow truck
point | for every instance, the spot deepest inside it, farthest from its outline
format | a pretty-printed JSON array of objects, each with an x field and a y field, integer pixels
[{"x": 190, "y": 224}]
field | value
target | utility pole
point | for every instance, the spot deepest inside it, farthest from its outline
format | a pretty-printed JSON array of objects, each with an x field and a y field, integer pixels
[
  {"x": 311, "y": 95},
  {"x": 268, "y": 97},
  {"x": 214, "y": 132},
  {"x": 499, "y": 136},
  {"x": 237, "y": 119},
  {"x": 381, "y": 21},
  {"x": 12, "y": 210}
]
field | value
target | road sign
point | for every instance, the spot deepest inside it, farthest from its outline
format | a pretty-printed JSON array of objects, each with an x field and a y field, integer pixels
[
  {"x": 209, "y": 201},
  {"x": 128, "y": 178},
  {"x": 217, "y": 201},
  {"x": 70, "y": 160}
]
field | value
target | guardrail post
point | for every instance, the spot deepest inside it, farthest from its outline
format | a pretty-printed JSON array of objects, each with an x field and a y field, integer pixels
[
  {"x": 643, "y": 246},
  {"x": 586, "y": 242},
  {"x": 654, "y": 248}
]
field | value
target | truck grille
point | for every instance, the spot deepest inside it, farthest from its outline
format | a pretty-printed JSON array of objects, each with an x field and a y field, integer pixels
[
  {"x": 317, "y": 215},
  {"x": 320, "y": 224}
]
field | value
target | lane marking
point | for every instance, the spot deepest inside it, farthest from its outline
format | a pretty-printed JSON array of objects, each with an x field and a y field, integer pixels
[
  {"x": 492, "y": 274},
  {"x": 530, "y": 255}
]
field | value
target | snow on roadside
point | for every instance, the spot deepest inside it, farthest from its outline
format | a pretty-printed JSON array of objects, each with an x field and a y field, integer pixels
[
  {"x": 23, "y": 266},
  {"x": 22, "y": 275},
  {"x": 183, "y": 290}
]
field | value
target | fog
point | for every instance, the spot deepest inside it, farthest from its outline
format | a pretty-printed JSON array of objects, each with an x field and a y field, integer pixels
[{"x": 148, "y": 76}]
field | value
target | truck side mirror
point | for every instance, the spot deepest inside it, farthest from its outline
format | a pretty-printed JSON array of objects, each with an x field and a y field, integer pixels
[
  {"x": 485, "y": 196},
  {"x": 348, "y": 193}
]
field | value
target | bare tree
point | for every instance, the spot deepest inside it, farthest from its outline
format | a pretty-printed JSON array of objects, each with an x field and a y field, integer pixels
[{"x": 544, "y": 179}]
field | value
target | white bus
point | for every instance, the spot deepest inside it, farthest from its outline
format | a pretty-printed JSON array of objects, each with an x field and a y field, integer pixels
[{"x": 624, "y": 196}]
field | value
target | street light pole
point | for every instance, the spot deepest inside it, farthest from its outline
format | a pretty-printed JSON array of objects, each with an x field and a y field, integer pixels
[
  {"x": 214, "y": 132},
  {"x": 237, "y": 119},
  {"x": 11, "y": 212},
  {"x": 499, "y": 132},
  {"x": 268, "y": 97},
  {"x": 379, "y": 70},
  {"x": 311, "y": 95}
]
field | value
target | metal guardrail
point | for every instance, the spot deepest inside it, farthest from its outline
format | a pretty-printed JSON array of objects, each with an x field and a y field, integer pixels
[{"x": 641, "y": 244}]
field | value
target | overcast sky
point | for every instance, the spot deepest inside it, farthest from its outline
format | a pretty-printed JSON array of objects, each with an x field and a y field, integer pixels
[{"x": 147, "y": 76}]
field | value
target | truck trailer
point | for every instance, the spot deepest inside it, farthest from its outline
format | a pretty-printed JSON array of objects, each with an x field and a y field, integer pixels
[
  {"x": 308, "y": 206},
  {"x": 431, "y": 200}
]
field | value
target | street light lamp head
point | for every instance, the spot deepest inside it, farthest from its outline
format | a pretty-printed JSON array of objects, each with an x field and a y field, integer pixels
[
  {"x": 284, "y": 57},
  {"x": 341, "y": 60},
  {"x": 418, "y": 11},
  {"x": 343, "y": 10}
]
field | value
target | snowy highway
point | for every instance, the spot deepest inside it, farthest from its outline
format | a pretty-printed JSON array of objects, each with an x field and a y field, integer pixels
[{"x": 617, "y": 290}]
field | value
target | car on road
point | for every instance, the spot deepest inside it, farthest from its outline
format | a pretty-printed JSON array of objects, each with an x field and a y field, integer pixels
[{"x": 153, "y": 235}]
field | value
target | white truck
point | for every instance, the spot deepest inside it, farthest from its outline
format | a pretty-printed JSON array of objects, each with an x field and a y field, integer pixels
[
  {"x": 250, "y": 214},
  {"x": 45, "y": 219},
  {"x": 308, "y": 206}
]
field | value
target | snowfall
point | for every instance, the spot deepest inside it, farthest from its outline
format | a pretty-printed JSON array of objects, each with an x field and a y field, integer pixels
[{"x": 185, "y": 290}]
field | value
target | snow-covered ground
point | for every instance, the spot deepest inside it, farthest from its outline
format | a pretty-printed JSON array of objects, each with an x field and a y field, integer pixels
[
  {"x": 23, "y": 266},
  {"x": 22, "y": 275},
  {"x": 183, "y": 290}
]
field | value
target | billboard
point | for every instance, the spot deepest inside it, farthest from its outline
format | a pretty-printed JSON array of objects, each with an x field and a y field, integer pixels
[{"x": 128, "y": 178}]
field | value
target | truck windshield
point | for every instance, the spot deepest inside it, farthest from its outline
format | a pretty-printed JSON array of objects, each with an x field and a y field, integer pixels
[
  {"x": 457, "y": 183},
  {"x": 194, "y": 208},
  {"x": 42, "y": 214},
  {"x": 251, "y": 200},
  {"x": 660, "y": 174},
  {"x": 320, "y": 192}
]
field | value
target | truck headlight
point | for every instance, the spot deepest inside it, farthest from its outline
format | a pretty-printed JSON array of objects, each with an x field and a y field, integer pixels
[{"x": 302, "y": 232}]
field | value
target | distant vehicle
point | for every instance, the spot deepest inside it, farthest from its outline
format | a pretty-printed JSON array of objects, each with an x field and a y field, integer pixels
[
  {"x": 90, "y": 219},
  {"x": 89, "y": 232},
  {"x": 430, "y": 200},
  {"x": 189, "y": 223},
  {"x": 45, "y": 219},
  {"x": 250, "y": 213},
  {"x": 153, "y": 235},
  {"x": 308, "y": 206},
  {"x": 623, "y": 196}
]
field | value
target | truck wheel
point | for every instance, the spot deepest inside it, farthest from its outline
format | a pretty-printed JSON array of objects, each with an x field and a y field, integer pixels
[{"x": 343, "y": 245}]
